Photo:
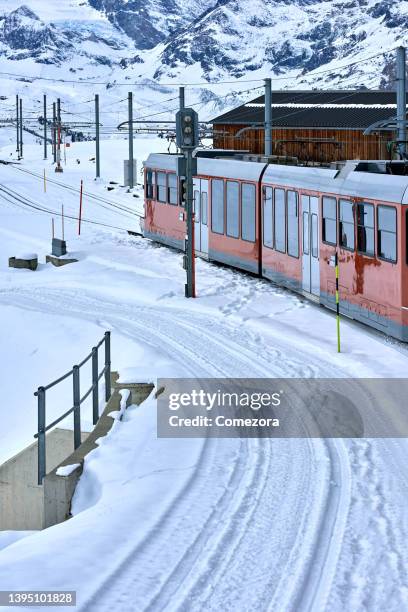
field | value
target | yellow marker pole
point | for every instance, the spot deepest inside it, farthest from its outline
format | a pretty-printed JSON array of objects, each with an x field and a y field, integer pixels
[
  {"x": 45, "y": 182},
  {"x": 336, "y": 260}
]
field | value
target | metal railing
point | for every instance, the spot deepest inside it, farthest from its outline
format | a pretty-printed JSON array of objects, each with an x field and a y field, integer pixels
[{"x": 77, "y": 400}]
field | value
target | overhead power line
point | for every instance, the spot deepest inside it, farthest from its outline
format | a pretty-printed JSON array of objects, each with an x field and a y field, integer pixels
[
  {"x": 21, "y": 201},
  {"x": 150, "y": 83}
]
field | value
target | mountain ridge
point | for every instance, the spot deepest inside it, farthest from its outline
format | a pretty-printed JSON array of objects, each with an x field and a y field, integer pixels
[{"x": 205, "y": 41}]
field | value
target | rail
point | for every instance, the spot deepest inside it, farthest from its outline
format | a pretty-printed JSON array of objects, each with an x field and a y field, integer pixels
[{"x": 77, "y": 400}]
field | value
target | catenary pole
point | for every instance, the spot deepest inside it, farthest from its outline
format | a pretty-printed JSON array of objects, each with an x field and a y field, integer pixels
[
  {"x": 54, "y": 131},
  {"x": 130, "y": 120},
  {"x": 401, "y": 101},
  {"x": 21, "y": 127},
  {"x": 97, "y": 135},
  {"x": 268, "y": 117},
  {"x": 182, "y": 99},
  {"x": 18, "y": 126},
  {"x": 58, "y": 167},
  {"x": 45, "y": 126}
]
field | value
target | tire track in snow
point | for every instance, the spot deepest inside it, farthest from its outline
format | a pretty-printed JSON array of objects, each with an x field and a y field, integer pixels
[
  {"x": 218, "y": 545},
  {"x": 375, "y": 541},
  {"x": 233, "y": 355}
]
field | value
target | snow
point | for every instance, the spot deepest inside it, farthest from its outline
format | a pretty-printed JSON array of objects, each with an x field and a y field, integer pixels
[
  {"x": 26, "y": 255},
  {"x": 194, "y": 524},
  {"x": 132, "y": 375},
  {"x": 66, "y": 470}
]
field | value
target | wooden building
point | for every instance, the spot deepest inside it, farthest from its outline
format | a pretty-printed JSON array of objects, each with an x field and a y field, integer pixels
[{"x": 320, "y": 126}]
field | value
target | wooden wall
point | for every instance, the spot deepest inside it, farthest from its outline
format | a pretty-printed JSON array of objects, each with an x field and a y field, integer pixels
[{"x": 338, "y": 144}]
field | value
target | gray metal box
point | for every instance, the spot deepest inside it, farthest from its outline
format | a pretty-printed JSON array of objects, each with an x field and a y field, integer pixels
[
  {"x": 126, "y": 168},
  {"x": 59, "y": 247}
]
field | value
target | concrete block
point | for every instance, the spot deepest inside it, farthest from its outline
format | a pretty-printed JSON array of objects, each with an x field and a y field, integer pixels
[
  {"x": 29, "y": 263},
  {"x": 138, "y": 391},
  {"x": 59, "y": 261}
]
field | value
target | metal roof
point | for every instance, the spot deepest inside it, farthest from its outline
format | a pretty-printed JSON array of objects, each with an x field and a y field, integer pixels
[
  {"x": 347, "y": 182},
  {"x": 228, "y": 168},
  {"x": 347, "y": 109}
]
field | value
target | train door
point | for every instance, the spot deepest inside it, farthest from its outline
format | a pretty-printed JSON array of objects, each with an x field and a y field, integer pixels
[
  {"x": 310, "y": 241},
  {"x": 201, "y": 215}
]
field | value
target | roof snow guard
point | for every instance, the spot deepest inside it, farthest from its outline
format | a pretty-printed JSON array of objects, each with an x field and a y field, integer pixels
[{"x": 347, "y": 109}]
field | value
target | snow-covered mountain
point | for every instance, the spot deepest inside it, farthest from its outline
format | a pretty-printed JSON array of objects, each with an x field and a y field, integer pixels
[{"x": 123, "y": 41}]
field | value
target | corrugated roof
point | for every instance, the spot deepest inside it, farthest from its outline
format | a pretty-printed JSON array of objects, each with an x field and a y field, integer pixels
[{"x": 357, "y": 109}]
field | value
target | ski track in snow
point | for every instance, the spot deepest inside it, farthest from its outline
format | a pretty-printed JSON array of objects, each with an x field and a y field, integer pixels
[{"x": 208, "y": 568}]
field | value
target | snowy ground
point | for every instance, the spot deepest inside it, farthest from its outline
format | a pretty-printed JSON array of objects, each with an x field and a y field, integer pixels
[{"x": 190, "y": 524}]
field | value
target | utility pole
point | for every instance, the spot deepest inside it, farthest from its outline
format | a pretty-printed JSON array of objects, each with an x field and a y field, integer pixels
[
  {"x": 401, "y": 102},
  {"x": 268, "y": 117},
  {"x": 18, "y": 126},
  {"x": 187, "y": 140},
  {"x": 45, "y": 126},
  {"x": 182, "y": 98},
  {"x": 54, "y": 131},
  {"x": 97, "y": 144},
  {"x": 58, "y": 167},
  {"x": 130, "y": 120},
  {"x": 21, "y": 128}
]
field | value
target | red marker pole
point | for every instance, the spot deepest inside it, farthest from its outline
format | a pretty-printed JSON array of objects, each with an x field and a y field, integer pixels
[{"x": 80, "y": 208}]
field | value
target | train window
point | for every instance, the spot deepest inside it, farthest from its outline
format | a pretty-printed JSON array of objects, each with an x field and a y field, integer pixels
[
  {"x": 217, "y": 206},
  {"x": 346, "y": 225},
  {"x": 329, "y": 220},
  {"x": 280, "y": 221},
  {"x": 387, "y": 233},
  {"x": 293, "y": 224},
  {"x": 204, "y": 208},
  {"x": 267, "y": 217},
  {"x": 306, "y": 233},
  {"x": 161, "y": 179},
  {"x": 150, "y": 184},
  {"x": 315, "y": 237},
  {"x": 248, "y": 212},
  {"x": 365, "y": 228},
  {"x": 172, "y": 199},
  {"x": 232, "y": 209}
]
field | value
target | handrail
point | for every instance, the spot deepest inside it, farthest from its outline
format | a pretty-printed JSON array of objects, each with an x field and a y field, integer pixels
[
  {"x": 56, "y": 382},
  {"x": 77, "y": 400}
]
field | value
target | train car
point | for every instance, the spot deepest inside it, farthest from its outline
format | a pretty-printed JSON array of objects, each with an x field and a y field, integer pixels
[
  {"x": 286, "y": 223},
  {"x": 226, "y": 205}
]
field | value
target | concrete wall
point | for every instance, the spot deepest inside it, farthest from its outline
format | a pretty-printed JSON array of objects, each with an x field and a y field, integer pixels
[
  {"x": 21, "y": 499},
  {"x": 26, "y": 506}
]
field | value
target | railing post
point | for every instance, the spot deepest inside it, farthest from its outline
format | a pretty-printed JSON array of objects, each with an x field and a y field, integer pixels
[
  {"x": 107, "y": 366},
  {"x": 41, "y": 435},
  {"x": 77, "y": 406},
  {"x": 95, "y": 385}
]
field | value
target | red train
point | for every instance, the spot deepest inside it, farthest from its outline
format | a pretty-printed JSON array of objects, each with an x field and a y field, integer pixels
[{"x": 285, "y": 223}]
